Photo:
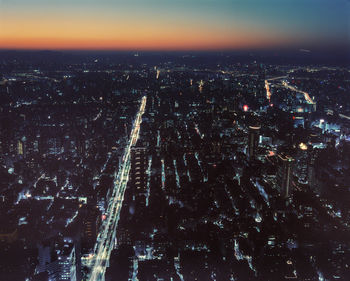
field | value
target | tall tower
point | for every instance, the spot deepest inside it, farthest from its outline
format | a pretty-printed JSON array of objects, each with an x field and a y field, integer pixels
[
  {"x": 138, "y": 172},
  {"x": 284, "y": 174},
  {"x": 253, "y": 141},
  {"x": 301, "y": 169}
]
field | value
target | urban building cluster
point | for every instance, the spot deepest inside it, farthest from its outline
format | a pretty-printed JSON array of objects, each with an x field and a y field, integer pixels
[{"x": 179, "y": 167}]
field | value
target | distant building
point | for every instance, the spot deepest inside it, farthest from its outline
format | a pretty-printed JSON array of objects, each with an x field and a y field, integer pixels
[
  {"x": 253, "y": 141},
  {"x": 285, "y": 174},
  {"x": 261, "y": 93}
]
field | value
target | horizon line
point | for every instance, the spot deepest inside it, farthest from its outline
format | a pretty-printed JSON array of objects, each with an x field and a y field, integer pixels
[{"x": 343, "y": 50}]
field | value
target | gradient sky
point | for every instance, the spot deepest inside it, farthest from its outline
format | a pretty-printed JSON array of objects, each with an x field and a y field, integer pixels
[{"x": 174, "y": 24}]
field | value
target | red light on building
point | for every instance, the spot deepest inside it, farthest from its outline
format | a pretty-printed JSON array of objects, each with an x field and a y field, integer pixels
[
  {"x": 103, "y": 217},
  {"x": 245, "y": 108},
  {"x": 293, "y": 117}
]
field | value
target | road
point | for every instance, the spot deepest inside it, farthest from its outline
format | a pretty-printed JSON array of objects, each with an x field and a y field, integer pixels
[
  {"x": 106, "y": 238},
  {"x": 306, "y": 95},
  {"x": 267, "y": 85},
  {"x": 268, "y": 92}
]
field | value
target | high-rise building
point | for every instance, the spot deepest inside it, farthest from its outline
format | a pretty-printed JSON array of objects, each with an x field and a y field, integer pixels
[
  {"x": 301, "y": 169},
  {"x": 90, "y": 225},
  {"x": 44, "y": 256},
  {"x": 253, "y": 141},
  {"x": 21, "y": 149},
  {"x": 285, "y": 174},
  {"x": 63, "y": 266},
  {"x": 311, "y": 169},
  {"x": 138, "y": 171},
  {"x": 58, "y": 260}
]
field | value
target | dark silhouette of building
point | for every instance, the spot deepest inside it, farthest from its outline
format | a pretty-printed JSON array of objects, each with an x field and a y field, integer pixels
[
  {"x": 253, "y": 141},
  {"x": 90, "y": 226},
  {"x": 285, "y": 174}
]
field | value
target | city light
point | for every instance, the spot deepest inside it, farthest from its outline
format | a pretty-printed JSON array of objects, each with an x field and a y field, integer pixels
[{"x": 180, "y": 165}]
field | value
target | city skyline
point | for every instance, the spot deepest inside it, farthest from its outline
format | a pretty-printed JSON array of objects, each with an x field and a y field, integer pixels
[
  {"x": 174, "y": 140},
  {"x": 179, "y": 25},
  {"x": 173, "y": 167}
]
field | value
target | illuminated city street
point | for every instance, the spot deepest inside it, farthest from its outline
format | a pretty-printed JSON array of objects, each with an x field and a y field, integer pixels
[
  {"x": 306, "y": 95},
  {"x": 106, "y": 237}
]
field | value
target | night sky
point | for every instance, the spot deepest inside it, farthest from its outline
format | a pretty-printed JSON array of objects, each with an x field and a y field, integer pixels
[{"x": 174, "y": 24}]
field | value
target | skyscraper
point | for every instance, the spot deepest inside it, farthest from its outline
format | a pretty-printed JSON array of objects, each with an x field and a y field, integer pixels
[
  {"x": 253, "y": 141},
  {"x": 302, "y": 159},
  {"x": 90, "y": 225},
  {"x": 58, "y": 259},
  {"x": 138, "y": 171},
  {"x": 64, "y": 265},
  {"x": 284, "y": 174}
]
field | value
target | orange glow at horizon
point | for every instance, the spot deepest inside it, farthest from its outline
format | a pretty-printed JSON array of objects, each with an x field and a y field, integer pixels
[
  {"x": 105, "y": 44},
  {"x": 81, "y": 32},
  {"x": 170, "y": 25}
]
